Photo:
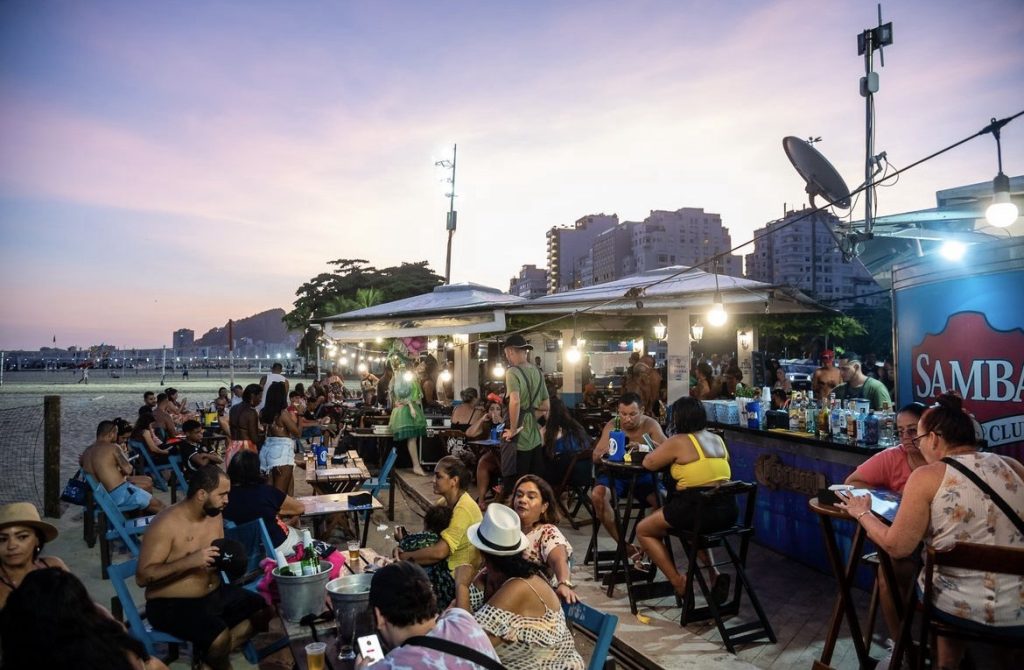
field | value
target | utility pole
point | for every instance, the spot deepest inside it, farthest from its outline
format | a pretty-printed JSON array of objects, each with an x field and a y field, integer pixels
[
  {"x": 452, "y": 214},
  {"x": 867, "y": 42}
]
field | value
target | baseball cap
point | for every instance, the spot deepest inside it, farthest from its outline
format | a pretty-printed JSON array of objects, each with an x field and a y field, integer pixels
[
  {"x": 517, "y": 341},
  {"x": 828, "y": 353}
]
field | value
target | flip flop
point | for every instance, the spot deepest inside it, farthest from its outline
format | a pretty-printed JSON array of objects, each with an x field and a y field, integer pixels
[
  {"x": 639, "y": 559},
  {"x": 720, "y": 589}
]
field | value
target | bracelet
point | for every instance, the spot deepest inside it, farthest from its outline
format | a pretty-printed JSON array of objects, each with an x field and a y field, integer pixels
[
  {"x": 862, "y": 514},
  {"x": 566, "y": 582}
]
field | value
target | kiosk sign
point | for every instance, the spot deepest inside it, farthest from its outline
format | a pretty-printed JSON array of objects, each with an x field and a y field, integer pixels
[{"x": 981, "y": 363}]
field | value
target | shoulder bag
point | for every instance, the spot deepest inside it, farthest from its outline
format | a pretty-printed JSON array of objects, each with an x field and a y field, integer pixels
[
  {"x": 455, "y": 649},
  {"x": 75, "y": 490}
]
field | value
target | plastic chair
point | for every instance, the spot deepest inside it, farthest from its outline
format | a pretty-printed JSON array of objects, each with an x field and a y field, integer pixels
[
  {"x": 600, "y": 625},
  {"x": 114, "y": 524},
  {"x": 138, "y": 628},
  {"x": 694, "y": 540},
  {"x": 155, "y": 471},
  {"x": 966, "y": 556}
]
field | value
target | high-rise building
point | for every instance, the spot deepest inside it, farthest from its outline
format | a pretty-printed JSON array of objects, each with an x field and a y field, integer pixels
[
  {"x": 687, "y": 236},
  {"x": 183, "y": 337},
  {"x": 532, "y": 282},
  {"x": 799, "y": 250},
  {"x": 612, "y": 254},
  {"x": 566, "y": 245}
]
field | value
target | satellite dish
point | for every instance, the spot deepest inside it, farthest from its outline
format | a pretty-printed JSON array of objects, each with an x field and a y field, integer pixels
[{"x": 822, "y": 179}]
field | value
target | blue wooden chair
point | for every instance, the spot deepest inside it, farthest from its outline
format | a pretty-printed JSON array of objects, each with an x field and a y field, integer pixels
[
  {"x": 383, "y": 478},
  {"x": 138, "y": 627},
  {"x": 113, "y": 524},
  {"x": 598, "y": 624},
  {"x": 155, "y": 471}
]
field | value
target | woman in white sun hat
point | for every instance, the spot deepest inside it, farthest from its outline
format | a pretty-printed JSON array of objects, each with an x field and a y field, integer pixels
[{"x": 522, "y": 614}]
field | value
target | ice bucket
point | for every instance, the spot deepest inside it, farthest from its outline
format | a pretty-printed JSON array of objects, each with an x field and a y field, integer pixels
[
  {"x": 302, "y": 595},
  {"x": 350, "y": 597}
]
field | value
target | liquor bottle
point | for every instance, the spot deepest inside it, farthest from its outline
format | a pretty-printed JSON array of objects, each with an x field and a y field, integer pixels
[
  {"x": 310, "y": 561},
  {"x": 851, "y": 421},
  {"x": 862, "y": 427},
  {"x": 837, "y": 419},
  {"x": 824, "y": 418},
  {"x": 871, "y": 425},
  {"x": 795, "y": 415},
  {"x": 887, "y": 427},
  {"x": 810, "y": 415}
]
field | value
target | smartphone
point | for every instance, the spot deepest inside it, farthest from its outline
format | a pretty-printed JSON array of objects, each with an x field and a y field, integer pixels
[
  {"x": 369, "y": 648},
  {"x": 400, "y": 533}
]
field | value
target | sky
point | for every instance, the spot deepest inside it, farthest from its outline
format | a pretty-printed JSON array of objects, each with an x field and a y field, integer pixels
[{"x": 171, "y": 165}]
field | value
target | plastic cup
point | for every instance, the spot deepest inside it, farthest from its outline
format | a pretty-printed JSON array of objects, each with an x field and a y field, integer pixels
[
  {"x": 353, "y": 550},
  {"x": 316, "y": 653}
]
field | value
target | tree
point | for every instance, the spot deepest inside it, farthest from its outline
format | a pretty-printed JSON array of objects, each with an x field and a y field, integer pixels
[{"x": 355, "y": 284}]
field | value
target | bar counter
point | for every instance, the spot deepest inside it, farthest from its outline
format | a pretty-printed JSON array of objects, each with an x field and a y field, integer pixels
[{"x": 790, "y": 468}]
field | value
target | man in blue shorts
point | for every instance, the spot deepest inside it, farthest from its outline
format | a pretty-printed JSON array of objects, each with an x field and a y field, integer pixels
[
  {"x": 634, "y": 424},
  {"x": 104, "y": 460}
]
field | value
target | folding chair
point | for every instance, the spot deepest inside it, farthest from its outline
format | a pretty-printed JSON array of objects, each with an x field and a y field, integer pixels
[
  {"x": 965, "y": 556},
  {"x": 254, "y": 537},
  {"x": 600, "y": 627},
  {"x": 576, "y": 484},
  {"x": 155, "y": 471},
  {"x": 114, "y": 525},
  {"x": 138, "y": 628},
  {"x": 694, "y": 540}
]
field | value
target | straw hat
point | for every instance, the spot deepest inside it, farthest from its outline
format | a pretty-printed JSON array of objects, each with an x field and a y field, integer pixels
[
  {"x": 499, "y": 534},
  {"x": 25, "y": 514}
]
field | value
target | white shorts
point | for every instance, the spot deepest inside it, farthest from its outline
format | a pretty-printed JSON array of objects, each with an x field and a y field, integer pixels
[{"x": 277, "y": 451}]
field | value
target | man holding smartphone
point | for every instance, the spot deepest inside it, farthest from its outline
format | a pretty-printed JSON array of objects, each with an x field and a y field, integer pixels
[{"x": 405, "y": 611}]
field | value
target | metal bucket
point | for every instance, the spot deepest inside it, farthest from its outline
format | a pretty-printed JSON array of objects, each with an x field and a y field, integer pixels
[
  {"x": 350, "y": 597},
  {"x": 301, "y": 595}
]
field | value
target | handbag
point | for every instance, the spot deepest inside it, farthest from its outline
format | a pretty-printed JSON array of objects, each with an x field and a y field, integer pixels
[
  {"x": 987, "y": 490},
  {"x": 455, "y": 649},
  {"x": 76, "y": 490}
]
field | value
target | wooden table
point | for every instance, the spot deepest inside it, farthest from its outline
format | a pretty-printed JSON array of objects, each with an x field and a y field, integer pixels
[
  {"x": 884, "y": 505},
  {"x": 337, "y": 479},
  {"x": 621, "y": 569},
  {"x": 321, "y": 506}
]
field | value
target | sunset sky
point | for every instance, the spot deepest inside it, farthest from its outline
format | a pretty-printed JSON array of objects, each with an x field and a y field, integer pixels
[{"x": 173, "y": 164}]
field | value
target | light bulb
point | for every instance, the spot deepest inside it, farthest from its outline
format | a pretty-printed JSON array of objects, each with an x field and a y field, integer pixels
[
  {"x": 1002, "y": 212},
  {"x": 380, "y": 340},
  {"x": 659, "y": 330},
  {"x": 363, "y": 367},
  {"x": 407, "y": 376},
  {"x": 498, "y": 371},
  {"x": 572, "y": 354},
  {"x": 717, "y": 316},
  {"x": 952, "y": 250},
  {"x": 360, "y": 345},
  {"x": 445, "y": 376}
]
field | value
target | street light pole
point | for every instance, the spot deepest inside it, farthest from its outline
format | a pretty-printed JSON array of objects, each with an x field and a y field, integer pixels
[{"x": 452, "y": 214}]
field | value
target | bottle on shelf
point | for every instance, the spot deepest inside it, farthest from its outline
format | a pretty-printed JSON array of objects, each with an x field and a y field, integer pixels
[
  {"x": 851, "y": 421},
  {"x": 837, "y": 419},
  {"x": 824, "y": 419},
  {"x": 887, "y": 426},
  {"x": 795, "y": 415},
  {"x": 810, "y": 415},
  {"x": 871, "y": 427},
  {"x": 861, "y": 426}
]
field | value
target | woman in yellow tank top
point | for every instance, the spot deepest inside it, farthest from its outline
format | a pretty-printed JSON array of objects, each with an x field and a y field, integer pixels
[{"x": 696, "y": 459}]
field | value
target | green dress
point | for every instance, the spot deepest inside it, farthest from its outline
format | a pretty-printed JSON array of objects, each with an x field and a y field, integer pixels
[{"x": 407, "y": 418}]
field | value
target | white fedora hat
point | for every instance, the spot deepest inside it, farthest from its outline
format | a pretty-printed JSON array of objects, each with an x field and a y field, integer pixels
[{"x": 499, "y": 534}]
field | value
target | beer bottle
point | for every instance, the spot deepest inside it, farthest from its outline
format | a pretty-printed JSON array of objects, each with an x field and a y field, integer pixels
[{"x": 310, "y": 561}]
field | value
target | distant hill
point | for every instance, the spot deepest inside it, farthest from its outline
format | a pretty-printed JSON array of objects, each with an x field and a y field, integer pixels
[{"x": 263, "y": 327}]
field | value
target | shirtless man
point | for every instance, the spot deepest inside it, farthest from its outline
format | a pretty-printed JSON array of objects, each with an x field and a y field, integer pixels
[
  {"x": 104, "y": 460},
  {"x": 825, "y": 378},
  {"x": 634, "y": 425},
  {"x": 178, "y": 568},
  {"x": 166, "y": 417}
]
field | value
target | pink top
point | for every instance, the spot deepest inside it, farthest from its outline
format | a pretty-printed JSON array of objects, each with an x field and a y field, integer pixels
[{"x": 887, "y": 469}]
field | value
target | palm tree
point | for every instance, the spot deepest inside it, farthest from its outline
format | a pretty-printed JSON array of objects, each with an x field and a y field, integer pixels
[{"x": 368, "y": 297}]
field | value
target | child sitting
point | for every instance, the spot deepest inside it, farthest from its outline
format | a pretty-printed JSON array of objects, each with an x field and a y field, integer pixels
[{"x": 437, "y": 518}]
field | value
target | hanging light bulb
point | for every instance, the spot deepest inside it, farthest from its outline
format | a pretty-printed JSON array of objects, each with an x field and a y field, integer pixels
[
  {"x": 660, "y": 330},
  {"x": 697, "y": 332},
  {"x": 360, "y": 345},
  {"x": 572, "y": 354},
  {"x": 717, "y": 316},
  {"x": 498, "y": 371},
  {"x": 363, "y": 367},
  {"x": 379, "y": 340},
  {"x": 445, "y": 376},
  {"x": 407, "y": 376},
  {"x": 1002, "y": 212}
]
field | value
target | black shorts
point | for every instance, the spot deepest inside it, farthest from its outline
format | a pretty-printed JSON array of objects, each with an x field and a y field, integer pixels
[
  {"x": 718, "y": 514},
  {"x": 515, "y": 463},
  {"x": 201, "y": 620}
]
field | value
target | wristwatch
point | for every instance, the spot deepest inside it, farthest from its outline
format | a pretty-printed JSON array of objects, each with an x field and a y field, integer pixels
[{"x": 566, "y": 582}]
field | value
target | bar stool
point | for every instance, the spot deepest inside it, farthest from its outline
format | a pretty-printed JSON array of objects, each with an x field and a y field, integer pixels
[{"x": 694, "y": 541}]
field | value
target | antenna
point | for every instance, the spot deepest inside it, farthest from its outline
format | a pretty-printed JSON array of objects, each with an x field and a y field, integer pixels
[
  {"x": 868, "y": 41},
  {"x": 824, "y": 180}
]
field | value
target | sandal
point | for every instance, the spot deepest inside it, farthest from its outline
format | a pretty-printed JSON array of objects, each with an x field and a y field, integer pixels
[
  {"x": 638, "y": 558},
  {"x": 720, "y": 589}
]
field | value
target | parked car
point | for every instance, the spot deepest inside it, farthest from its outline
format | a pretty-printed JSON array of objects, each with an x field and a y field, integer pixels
[{"x": 799, "y": 373}]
